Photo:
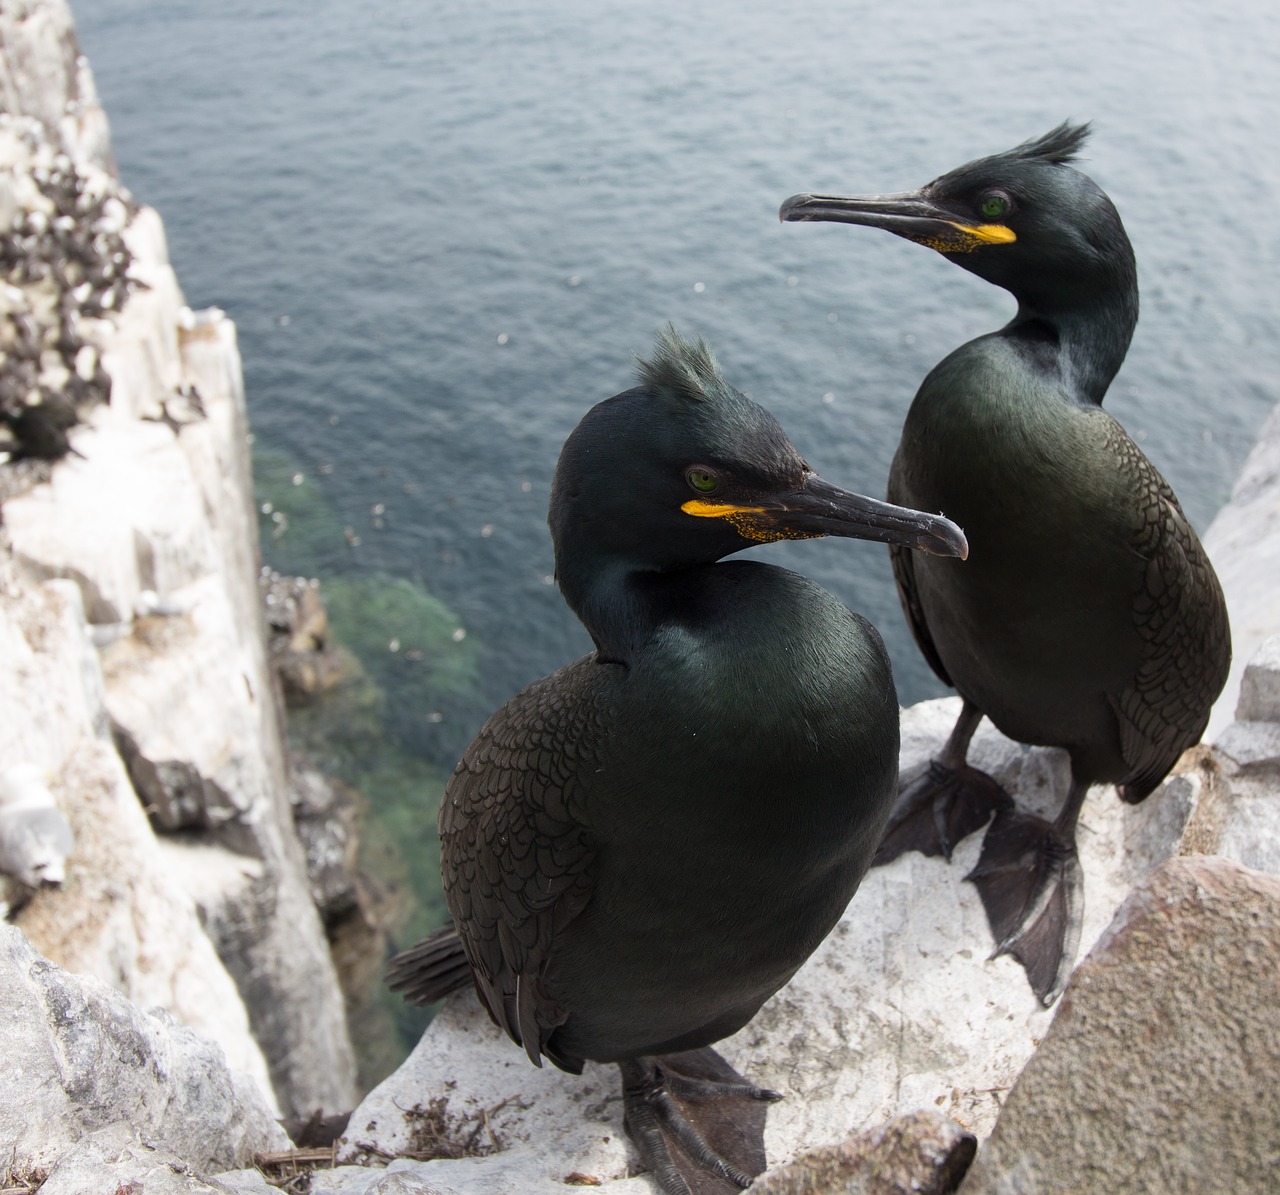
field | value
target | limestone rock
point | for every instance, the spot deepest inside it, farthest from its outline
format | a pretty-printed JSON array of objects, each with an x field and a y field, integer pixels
[
  {"x": 1159, "y": 1072},
  {"x": 123, "y": 918},
  {"x": 77, "y": 1057},
  {"x": 269, "y": 936},
  {"x": 307, "y": 664},
  {"x": 1244, "y": 544},
  {"x": 1260, "y": 684},
  {"x": 119, "y": 915},
  {"x": 921, "y": 1154},
  {"x": 245, "y": 1182},
  {"x": 326, "y": 813},
  {"x": 1238, "y": 813},
  {"x": 125, "y": 519},
  {"x": 53, "y": 694},
  {"x": 183, "y": 742},
  {"x": 115, "y": 1160}
]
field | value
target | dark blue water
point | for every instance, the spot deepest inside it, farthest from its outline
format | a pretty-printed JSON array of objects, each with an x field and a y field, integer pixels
[{"x": 444, "y": 228}]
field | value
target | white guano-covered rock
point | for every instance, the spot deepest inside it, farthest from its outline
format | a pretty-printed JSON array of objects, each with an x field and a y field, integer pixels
[
  {"x": 43, "y": 75},
  {"x": 126, "y": 518},
  {"x": 123, "y": 917},
  {"x": 76, "y": 1056}
]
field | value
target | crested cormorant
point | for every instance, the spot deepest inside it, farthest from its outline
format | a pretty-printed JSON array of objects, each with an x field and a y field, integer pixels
[
  {"x": 1088, "y": 616},
  {"x": 641, "y": 848}
]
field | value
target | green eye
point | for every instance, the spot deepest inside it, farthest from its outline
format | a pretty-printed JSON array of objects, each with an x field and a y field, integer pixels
[
  {"x": 994, "y": 206},
  {"x": 702, "y": 481}
]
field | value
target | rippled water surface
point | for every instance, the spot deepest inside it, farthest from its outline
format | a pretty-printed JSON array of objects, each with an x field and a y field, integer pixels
[{"x": 443, "y": 230}]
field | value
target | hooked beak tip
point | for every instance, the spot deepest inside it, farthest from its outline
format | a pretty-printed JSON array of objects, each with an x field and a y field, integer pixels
[
  {"x": 791, "y": 209},
  {"x": 949, "y": 539}
]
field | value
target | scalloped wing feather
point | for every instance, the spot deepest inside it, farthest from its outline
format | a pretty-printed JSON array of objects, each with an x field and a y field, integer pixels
[
  {"x": 516, "y": 855},
  {"x": 1181, "y": 615}
]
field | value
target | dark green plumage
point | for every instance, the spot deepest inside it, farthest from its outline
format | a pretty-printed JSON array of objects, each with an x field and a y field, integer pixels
[
  {"x": 1087, "y": 616},
  {"x": 641, "y": 848}
]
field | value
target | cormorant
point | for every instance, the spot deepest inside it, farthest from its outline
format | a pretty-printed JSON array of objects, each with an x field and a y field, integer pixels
[
  {"x": 40, "y": 429},
  {"x": 641, "y": 848},
  {"x": 1088, "y": 616}
]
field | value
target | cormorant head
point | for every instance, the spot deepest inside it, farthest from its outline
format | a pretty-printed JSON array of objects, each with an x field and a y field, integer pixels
[
  {"x": 684, "y": 469},
  {"x": 1024, "y": 219}
]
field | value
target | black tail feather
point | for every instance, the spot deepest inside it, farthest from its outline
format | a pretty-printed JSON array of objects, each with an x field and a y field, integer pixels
[{"x": 431, "y": 970}]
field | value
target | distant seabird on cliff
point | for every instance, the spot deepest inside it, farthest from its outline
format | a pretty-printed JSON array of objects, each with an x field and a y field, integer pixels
[{"x": 35, "y": 839}]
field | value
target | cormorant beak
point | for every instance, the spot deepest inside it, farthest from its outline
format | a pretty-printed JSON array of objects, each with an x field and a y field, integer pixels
[
  {"x": 819, "y": 508},
  {"x": 911, "y": 214}
]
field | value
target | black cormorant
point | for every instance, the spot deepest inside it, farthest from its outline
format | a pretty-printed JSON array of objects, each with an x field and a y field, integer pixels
[
  {"x": 40, "y": 429},
  {"x": 643, "y": 847},
  {"x": 1088, "y": 616}
]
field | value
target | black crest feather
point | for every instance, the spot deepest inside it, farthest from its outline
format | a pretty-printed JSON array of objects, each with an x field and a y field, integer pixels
[
  {"x": 1059, "y": 145},
  {"x": 686, "y": 368}
]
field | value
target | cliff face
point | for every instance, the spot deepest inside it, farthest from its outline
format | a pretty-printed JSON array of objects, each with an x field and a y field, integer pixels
[{"x": 137, "y": 681}]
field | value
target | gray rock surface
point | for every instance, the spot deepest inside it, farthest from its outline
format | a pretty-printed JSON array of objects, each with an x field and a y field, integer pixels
[
  {"x": 921, "y": 1154},
  {"x": 1159, "y": 1072},
  {"x": 245, "y": 1182},
  {"x": 76, "y": 1056},
  {"x": 1260, "y": 684},
  {"x": 116, "y": 1161},
  {"x": 1238, "y": 815}
]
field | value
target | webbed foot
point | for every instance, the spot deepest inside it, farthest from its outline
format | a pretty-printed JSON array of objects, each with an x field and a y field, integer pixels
[
  {"x": 944, "y": 806},
  {"x": 1032, "y": 890},
  {"x": 698, "y": 1124}
]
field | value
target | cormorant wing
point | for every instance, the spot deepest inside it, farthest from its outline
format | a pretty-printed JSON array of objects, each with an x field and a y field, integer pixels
[
  {"x": 903, "y": 561},
  {"x": 517, "y": 862},
  {"x": 1181, "y": 616}
]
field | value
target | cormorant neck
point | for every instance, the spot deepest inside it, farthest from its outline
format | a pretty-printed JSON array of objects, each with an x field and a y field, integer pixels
[
  {"x": 611, "y": 603},
  {"x": 1093, "y": 322}
]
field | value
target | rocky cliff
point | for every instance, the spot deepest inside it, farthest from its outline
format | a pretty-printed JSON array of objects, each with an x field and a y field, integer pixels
[{"x": 137, "y": 682}]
